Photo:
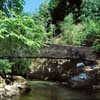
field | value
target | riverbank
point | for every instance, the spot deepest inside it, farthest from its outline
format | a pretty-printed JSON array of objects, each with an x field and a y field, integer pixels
[
  {"x": 46, "y": 90},
  {"x": 16, "y": 88}
]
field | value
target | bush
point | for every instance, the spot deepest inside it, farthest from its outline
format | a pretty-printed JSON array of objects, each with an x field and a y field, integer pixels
[
  {"x": 90, "y": 9},
  {"x": 21, "y": 66},
  {"x": 96, "y": 46},
  {"x": 5, "y": 66},
  {"x": 11, "y": 5},
  {"x": 70, "y": 31},
  {"x": 84, "y": 34},
  {"x": 91, "y": 32},
  {"x": 20, "y": 35}
]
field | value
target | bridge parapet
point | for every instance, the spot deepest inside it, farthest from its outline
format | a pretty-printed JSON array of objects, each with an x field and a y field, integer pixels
[
  {"x": 60, "y": 52},
  {"x": 67, "y": 52}
]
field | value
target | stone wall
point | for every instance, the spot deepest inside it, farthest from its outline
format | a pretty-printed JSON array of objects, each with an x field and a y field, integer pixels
[{"x": 51, "y": 69}]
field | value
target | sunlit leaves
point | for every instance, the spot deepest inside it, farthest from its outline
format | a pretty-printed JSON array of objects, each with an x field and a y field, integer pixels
[
  {"x": 5, "y": 66},
  {"x": 20, "y": 34},
  {"x": 90, "y": 9},
  {"x": 11, "y": 5}
]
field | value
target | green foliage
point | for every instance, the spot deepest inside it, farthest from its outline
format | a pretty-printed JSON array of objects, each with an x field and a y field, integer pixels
[
  {"x": 70, "y": 31},
  {"x": 81, "y": 9},
  {"x": 23, "y": 35},
  {"x": 20, "y": 35},
  {"x": 11, "y": 5},
  {"x": 90, "y": 9},
  {"x": 85, "y": 33},
  {"x": 54, "y": 3},
  {"x": 44, "y": 17},
  {"x": 96, "y": 46},
  {"x": 5, "y": 66},
  {"x": 91, "y": 30},
  {"x": 17, "y": 6},
  {"x": 91, "y": 34},
  {"x": 44, "y": 12},
  {"x": 21, "y": 66}
]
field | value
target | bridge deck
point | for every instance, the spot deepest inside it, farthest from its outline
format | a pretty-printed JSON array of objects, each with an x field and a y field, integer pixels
[
  {"x": 67, "y": 52},
  {"x": 61, "y": 52}
]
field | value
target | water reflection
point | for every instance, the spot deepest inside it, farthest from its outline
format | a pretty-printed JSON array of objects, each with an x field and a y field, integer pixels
[{"x": 59, "y": 93}]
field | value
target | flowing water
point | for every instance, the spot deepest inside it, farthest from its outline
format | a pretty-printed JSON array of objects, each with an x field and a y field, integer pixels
[{"x": 43, "y": 91}]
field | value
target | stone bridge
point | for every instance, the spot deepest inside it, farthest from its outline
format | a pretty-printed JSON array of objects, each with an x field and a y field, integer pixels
[{"x": 61, "y": 52}]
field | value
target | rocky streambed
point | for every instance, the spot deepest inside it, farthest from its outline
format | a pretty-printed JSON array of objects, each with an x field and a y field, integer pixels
[{"x": 18, "y": 87}]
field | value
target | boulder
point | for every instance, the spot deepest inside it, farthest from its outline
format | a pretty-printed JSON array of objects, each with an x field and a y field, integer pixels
[
  {"x": 2, "y": 82},
  {"x": 11, "y": 90},
  {"x": 20, "y": 79},
  {"x": 2, "y": 85},
  {"x": 22, "y": 84},
  {"x": 18, "y": 87},
  {"x": 81, "y": 80},
  {"x": 96, "y": 87}
]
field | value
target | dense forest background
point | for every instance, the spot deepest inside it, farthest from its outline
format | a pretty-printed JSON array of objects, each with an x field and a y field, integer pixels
[{"x": 67, "y": 22}]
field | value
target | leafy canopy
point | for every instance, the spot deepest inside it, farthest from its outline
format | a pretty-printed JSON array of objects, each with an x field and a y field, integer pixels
[
  {"x": 20, "y": 35},
  {"x": 11, "y": 5},
  {"x": 90, "y": 9},
  {"x": 5, "y": 66}
]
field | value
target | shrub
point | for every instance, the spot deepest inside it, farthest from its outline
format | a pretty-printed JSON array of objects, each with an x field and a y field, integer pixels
[
  {"x": 5, "y": 66},
  {"x": 20, "y": 35},
  {"x": 70, "y": 31},
  {"x": 21, "y": 66},
  {"x": 90, "y": 9},
  {"x": 84, "y": 34},
  {"x": 91, "y": 32}
]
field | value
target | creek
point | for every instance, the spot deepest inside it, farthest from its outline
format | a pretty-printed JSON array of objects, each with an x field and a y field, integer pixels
[{"x": 42, "y": 90}]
